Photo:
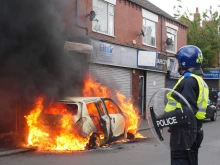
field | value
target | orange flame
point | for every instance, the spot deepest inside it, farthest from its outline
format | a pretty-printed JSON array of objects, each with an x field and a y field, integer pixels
[
  {"x": 93, "y": 88},
  {"x": 65, "y": 138}
]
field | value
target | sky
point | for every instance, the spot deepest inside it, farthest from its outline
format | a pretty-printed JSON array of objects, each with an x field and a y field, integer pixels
[{"x": 167, "y": 5}]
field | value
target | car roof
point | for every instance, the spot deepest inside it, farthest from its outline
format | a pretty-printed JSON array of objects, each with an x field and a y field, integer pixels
[{"x": 80, "y": 99}]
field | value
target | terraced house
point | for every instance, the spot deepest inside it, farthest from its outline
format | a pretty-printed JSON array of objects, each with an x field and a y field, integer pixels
[
  {"x": 133, "y": 43},
  {"x": 127, "y": 45}
]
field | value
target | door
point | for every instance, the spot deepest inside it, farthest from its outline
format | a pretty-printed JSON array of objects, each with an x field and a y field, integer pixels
[
  {"x": 141, "y": 95},
  {"x": 116, "y": 118},
  {"x": 104, "y": 121}
]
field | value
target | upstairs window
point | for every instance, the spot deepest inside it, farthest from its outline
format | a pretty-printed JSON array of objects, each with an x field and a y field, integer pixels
[
  {"x": 149, "y": 27},
  {"x": 171, "y": 33},
  {"x": 218, "y": 29},
  {"x": 104, "y": 20}
]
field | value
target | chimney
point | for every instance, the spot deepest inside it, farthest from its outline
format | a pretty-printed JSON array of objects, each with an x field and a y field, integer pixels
[{"x": 197, "y": 16}]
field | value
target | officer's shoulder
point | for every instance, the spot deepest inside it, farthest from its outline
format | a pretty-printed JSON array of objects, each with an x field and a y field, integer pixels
[{"x": 189, "y": 79}]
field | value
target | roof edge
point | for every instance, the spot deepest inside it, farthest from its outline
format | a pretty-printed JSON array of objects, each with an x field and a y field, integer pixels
[{"x": 159, "y": 13}]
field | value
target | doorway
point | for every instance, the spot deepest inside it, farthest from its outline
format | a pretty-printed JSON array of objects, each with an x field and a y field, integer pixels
[{"x": 141, "y": 95}]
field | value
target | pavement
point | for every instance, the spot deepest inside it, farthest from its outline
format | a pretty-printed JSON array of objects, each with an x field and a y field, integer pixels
[
  {"x": 8, "y": 150},
  {"x": 143, "y": 125}
]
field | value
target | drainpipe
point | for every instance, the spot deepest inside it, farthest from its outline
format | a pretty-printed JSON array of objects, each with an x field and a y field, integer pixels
[
  {"x": 145, "y": 96},
  {"x": 86, "y": 29},
  {"x": 161, "y": 34}
]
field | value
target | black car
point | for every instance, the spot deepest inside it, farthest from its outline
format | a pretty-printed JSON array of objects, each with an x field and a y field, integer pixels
[{"x": 211, "y": 111}]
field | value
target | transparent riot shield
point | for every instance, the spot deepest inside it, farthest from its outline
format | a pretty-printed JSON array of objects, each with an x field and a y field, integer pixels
[{"x": 171, "y": 119}]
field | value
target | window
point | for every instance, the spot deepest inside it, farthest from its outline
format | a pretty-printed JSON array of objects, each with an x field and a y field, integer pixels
[
  {"x": 218, "y": 29},
  {"x": 94, "y": 115},
  {"x": 72, "y": 108},
  {"x": 171, "y": 33},
  {"x": 104, "y": 20},
  {"x": 111, "y": 107},
  {"x": 149, "y": 28},
  {"x": 102, "y": 111},
  {"x": 92, "y": 110}
]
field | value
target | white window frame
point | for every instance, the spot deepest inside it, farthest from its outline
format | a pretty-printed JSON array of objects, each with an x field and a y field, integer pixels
[
  {"x": 146, "y": 34},
  {"x": 153, "y": 18},
  {"x": 218, "y": 29},
  {"x": 95, "y": 22},
  {"x": 172, "y": 30}
]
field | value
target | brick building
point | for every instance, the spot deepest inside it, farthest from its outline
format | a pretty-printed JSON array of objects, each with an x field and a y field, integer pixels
[{"x": 133, "y": 44}]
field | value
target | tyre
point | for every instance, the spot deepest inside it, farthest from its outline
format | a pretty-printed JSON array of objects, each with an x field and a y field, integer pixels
[
  {"x": 94, "y": 141},
  {"x": 130, "y": 136},
  {"x": 214, "y": 116}
]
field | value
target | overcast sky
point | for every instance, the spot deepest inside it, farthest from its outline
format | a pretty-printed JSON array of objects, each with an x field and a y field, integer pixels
[{"x": 167, "y": 5}]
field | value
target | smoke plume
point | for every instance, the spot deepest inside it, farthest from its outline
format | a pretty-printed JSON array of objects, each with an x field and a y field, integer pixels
[{"x": 32, "y": 58}]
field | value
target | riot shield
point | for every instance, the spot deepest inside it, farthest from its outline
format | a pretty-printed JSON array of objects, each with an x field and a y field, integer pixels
[{"x": 174, "y": 128}]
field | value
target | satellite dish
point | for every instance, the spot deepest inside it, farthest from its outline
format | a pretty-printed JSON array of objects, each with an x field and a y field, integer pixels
[
  {"x": 92, "y": 15},
  {"x": 142, "y": 33},
  {"x": 169, "y": 41}
]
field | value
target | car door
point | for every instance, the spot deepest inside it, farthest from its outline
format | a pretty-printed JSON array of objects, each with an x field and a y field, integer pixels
[
  {"x": 117, "y": 119},
  {"x": 104, "y": 120}
]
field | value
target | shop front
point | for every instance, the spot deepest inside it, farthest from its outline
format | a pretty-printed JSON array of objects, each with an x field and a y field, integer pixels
[
  {"x": 211, "y": 77},
  {"x": 128, "y": 70},
  {"x": 155, "y": 65},
  {"x": 112, "y": 65}
]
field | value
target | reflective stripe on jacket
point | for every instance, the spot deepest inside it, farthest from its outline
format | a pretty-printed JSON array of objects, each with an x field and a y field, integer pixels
[{"x": 202, "y": 100}]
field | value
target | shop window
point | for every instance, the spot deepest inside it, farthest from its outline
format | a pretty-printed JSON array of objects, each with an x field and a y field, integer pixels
[{"x": 104, "y": 20}]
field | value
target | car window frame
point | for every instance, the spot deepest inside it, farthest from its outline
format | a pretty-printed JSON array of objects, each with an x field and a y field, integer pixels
[{"x": 103, "y": 100}]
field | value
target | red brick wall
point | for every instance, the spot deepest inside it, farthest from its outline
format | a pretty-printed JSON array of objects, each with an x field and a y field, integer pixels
[
  {"x": 128, "y": 25},
  {"x": 181, "y": 37}
]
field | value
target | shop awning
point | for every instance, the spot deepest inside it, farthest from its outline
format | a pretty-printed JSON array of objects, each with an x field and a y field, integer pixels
[{"x": 78, "y": 47}]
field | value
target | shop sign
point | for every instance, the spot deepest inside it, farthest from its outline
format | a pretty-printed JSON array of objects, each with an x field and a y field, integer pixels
[
  {"x": 211, "y": 74},
  {"x": 152, "y": 60},
  {"x": 112, "y": 54}
]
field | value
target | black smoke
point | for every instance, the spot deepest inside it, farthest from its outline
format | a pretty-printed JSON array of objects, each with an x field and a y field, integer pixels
[{"x": 32, "y": 57}]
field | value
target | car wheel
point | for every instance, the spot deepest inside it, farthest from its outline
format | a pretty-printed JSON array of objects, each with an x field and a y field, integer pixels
[
  {"x": 94, "y": 141},
  {"x": 130, "y": 136},
  {"x": 214, "y": 116}
]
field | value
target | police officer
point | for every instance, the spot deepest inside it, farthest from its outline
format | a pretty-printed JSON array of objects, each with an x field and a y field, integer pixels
[{"x": 184, "y": 147}]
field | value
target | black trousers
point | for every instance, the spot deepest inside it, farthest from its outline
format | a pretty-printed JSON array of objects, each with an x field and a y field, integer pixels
[{"x": 189, "y": 157}]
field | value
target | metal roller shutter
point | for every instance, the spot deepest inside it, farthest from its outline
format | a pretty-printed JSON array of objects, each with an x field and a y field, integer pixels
[
  {"x": 154, "y": 82},
  {"x": 113, "y": 77}
]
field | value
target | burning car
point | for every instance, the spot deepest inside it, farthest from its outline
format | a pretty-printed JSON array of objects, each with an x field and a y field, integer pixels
[
  {"x": 98, "y": 120},
  {"x": 79, "y": 123}
]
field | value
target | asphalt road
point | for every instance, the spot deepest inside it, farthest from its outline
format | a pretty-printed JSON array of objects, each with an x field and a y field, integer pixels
[{"x": 141, "y": 152}]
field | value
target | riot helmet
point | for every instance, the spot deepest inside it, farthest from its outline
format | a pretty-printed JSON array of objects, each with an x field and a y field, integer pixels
[{"x": 189, "y": 56}]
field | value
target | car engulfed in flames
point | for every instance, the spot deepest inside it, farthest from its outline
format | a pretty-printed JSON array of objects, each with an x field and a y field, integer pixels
[{"x": 79, "y": 123}]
